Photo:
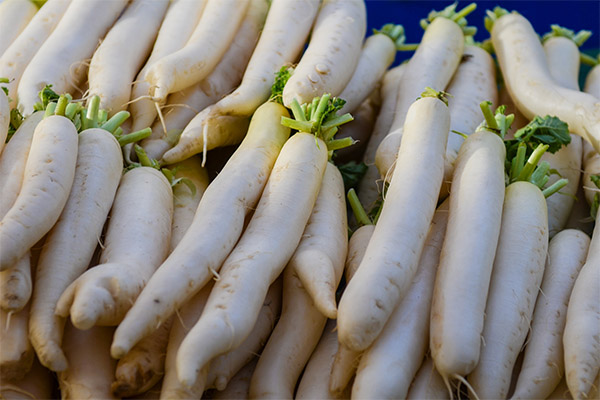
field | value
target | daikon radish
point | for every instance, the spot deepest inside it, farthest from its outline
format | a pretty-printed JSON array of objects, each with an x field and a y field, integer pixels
[
  {"x": 14, "y": 17},
  {"x": 428, "y": 384},
  {"x": 17, "y": 354}
]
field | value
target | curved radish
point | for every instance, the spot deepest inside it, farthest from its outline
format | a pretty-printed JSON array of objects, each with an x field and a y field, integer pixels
[
  {"x": 368, "y": 188},
  {"x": 84, "y": 379},
  {"x": 60, "y": 61},
  {"x": 466, "y": 260},
  {"x": 432, "y": 65},
  {"x": 14, "y": 17},
  {"x": 177, "y": 26},
  {"x": 97, "y": 176},
  {"x": 209, "y": 41},
  {"x": 319, "y": 258},
  {"x": 143, "y": 208},
  {"x": 528, "y": 79},
  {"x": 116, "y": 61},
  {"x": 16, "y": 57},
  {"x": 332, "y": 54},
  {"x": 394, "y": 250},
  {"x": 219, "y": 221},
  {"x": 516, "y": 278},
  {"x": 280, "y": 44},
  {"x": 387, "y": 368},
  {"x": 259, "y": 256},
  {"x": 17, "y": 354},
  {"x": 288, "y": 350},
  {"x": 581, "y": 338},
  {"x": 47, "y": 181},
  {"x": 543, "y": 365},
  {"x": 224, "y": 78}
]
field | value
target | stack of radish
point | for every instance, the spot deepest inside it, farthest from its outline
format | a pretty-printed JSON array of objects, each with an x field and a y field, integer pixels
[{"x": 174, "y": 221}]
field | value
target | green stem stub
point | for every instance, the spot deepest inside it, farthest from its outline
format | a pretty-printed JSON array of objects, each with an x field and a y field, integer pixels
[
  {"x": 397, "y": 34},
  {"x": 596, "y": 200},
  {"x": 452, "y": 14},
  {"x": 440, "y": 95},
  {"x": 493, "y": 15},
  {"x": 578, "y": 38},
  {"x": 281, "y": 78},
  {"x": 357, "y": 208},
  {"x": 47, "y": 95}
]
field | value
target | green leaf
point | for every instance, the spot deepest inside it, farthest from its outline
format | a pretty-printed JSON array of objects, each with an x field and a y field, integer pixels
[
  {"x": 281, "y": 78},
  {"x": 47, "y": 96},
  {"x": 352, "y": 173},
  {"x": 548, "y": 130}
]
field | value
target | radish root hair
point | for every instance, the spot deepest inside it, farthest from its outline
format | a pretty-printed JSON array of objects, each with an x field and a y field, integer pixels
[
  {"x": 161, "y": 118},
  {"x": 204, "y": 146},
  {"x": 469, "y": 387},
  {"x": 8, "y": 317}
]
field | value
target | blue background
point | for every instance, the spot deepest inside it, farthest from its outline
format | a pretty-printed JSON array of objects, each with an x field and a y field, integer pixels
[{"x": 575, "y": 15}]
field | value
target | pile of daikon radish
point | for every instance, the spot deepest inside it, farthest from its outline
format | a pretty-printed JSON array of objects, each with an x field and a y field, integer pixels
[{"x": 174, "y": 222}]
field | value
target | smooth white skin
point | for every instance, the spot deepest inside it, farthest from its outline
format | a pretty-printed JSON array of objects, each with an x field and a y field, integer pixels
[
  {"x": 466, "y": 261},
  {"x": 4, "y": 119},
  {"x": 528, "y": 79},
  {"x": 218, "y": 223},
  {"x": 97, "y": 175},
  {"x": 15, "y": 15},
  {"x": 280, "y": 44},
  {"x": 368, "y": 188},
  {"x": 394, "y": 250},
  {"x": 142, "y": 210},
  {"x": 60, "y": 61},
  {"x": 387, "y": 368},
  {"x": 215, "y": 31},
  {"x": 177, "y": 26},
  {"x": 346, "y": 360},
  {"x": 259, "y": 257},
  {"x": 320, "y": 256},
  {"x": 85, "y": 379},
  {"x": 16, "y": 57},
  {"x": 225, "y": 77},
  {"x": 332, "y": 54},
  {"x": 239, "y": 385},
  {"x": 516, "y": 278},
  {"x": 289, "y": 348},
  {"x": 562, "y": 56},
  {"x": 314, "y": 383},
  {"x": 223, "y": 368},
  {"x": 581, "y": 338},
  {"x": 432, "y": 65},
  {"x": 473, "y": 82},
  {"x": 376, "y": 56},
  {"x": 592, "y": 82},
  {"x": 117, "y": 61},
  {"x": 17, "y": 354},
  {"x": 543, "y": 365},
  {"x": 428, "y": 383},
  {"x": 47, "y": 181}
]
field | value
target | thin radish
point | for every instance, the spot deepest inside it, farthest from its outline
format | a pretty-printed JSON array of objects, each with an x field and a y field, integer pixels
[
  {"x": 432, "y": 65},
  {"x": 223, "y": 368},
  {"x": 377, "y": 54},
  {"x": 387, "y": 368},
  {"x": 209, "y": 41},
  {"x": 84, "y": 379},
  {"x": 280, "y": 44},
  {"x": 329, "y": 61},
  {"x": 543, "y": 365},
  {"x": 222, "y": 80},
  {"x": 581, "y": 338},
  {"x": 563, "y": 62},
  {"x": 428, "y": 383},
  {"x": 17, "y": 354},
  {"x": 144, "y": 365},
  {"x": 473, "y": 82},
  {"x": 37, "y": 384},
  {"x": 47, "y": 181},
  {"x": 319, "y": 258},
  {"x": 259, "y": 256},
  {"x": 315, "y": 378},
  {"x": 289, "y": 348},
  {"x": 528, "y": 79},
  {"x": 218, "y": 223},
  {"x": 143, "y": 209},
  {"x": 60, "y": 61},
  {"x": 116, "y": 61},
  {"x": 394, "y": 250},
  {"x": 516, "y": 278},
  {"x": 14, "y": 17},
  {"x": 467, "y": 259},
  {"x": 16, "y": 57},
  {"x": 368, "y": 188},
  {"x": 180, "y": 21},
  {"x": 97, "y": 175}
]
